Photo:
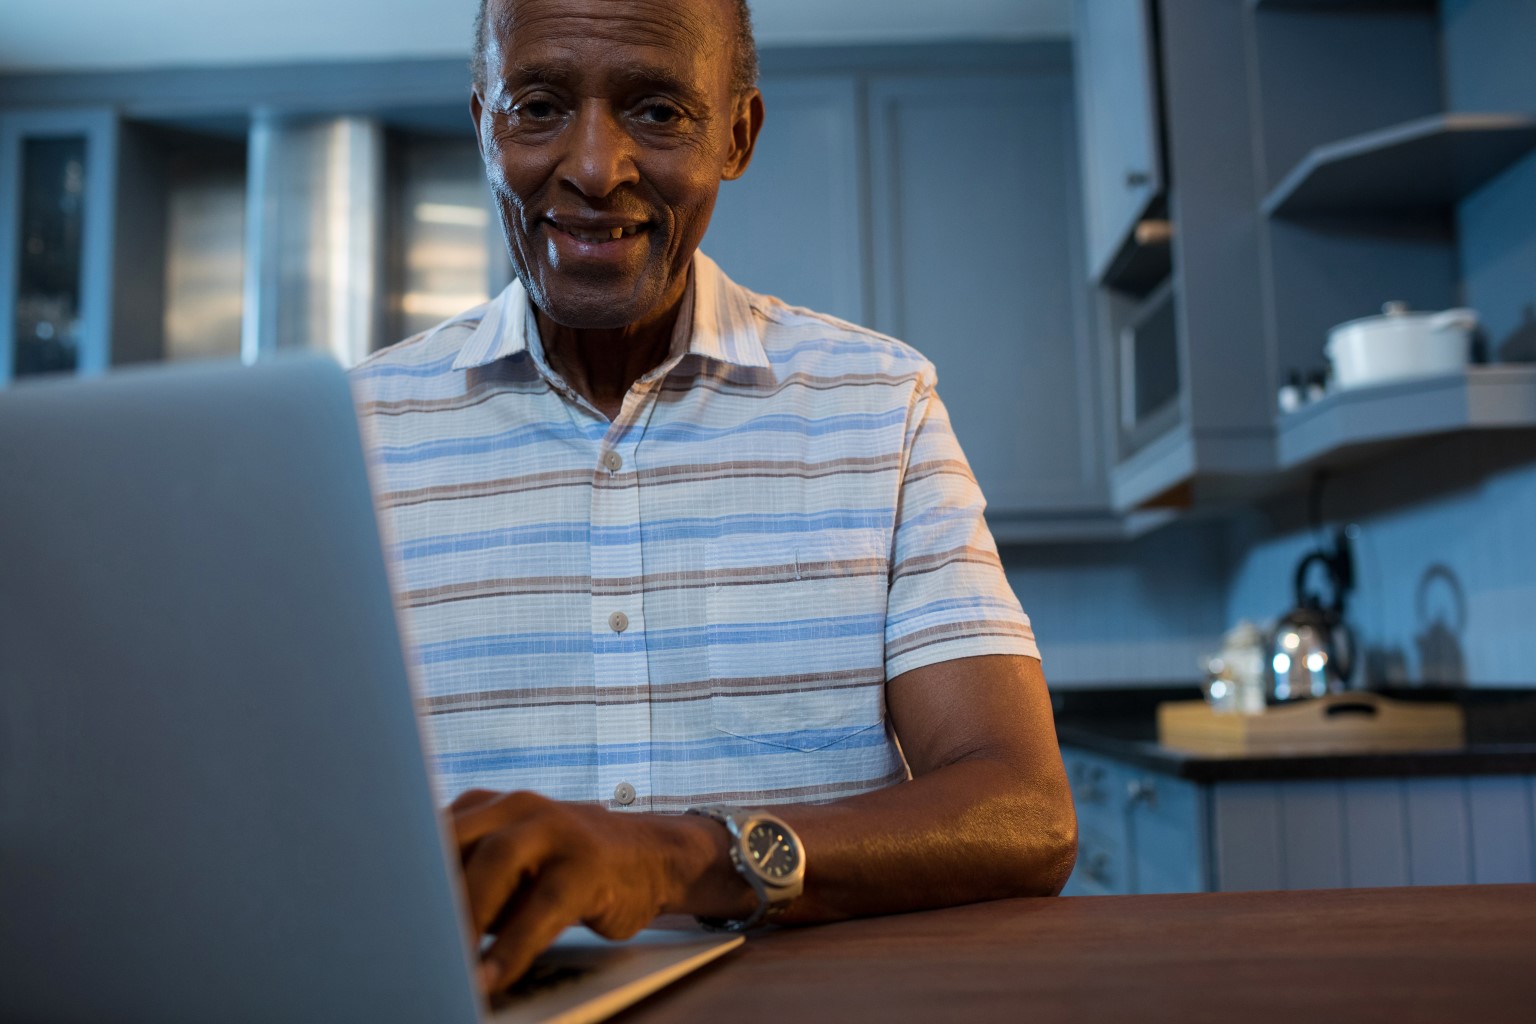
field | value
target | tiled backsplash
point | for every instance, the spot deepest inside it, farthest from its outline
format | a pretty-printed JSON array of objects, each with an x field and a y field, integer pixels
[
  {"x": 1445, "y": 564},
  {"x": 1446, "y": 587},
  {"x": 1139, "y": 613}
]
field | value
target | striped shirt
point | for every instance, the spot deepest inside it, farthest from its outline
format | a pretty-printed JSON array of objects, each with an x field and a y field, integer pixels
[{"x": 700, "y": 601}]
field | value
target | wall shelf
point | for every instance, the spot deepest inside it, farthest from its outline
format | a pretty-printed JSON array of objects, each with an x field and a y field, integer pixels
[
  {"x": 1183, "y": 469},
  {"x": 1348, "y": 424},
  {"x": 1425, "y": 164}
]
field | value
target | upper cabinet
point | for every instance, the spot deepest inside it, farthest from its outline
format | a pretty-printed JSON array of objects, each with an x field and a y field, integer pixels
[
  {"x": 793, "y": 225},
  {"x": 1119, "y": 122},
  {"x": 1320, "y": 158},
  {"x": 1179, "y": 326},
  {"x": 934, "y": 197},
  {"x": 977, "y": 250}
]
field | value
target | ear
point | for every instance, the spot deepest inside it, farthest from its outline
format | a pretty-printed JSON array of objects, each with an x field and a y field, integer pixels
[
  {"x": 746, "y": 122},
  {"x": 476, "y": 108}
]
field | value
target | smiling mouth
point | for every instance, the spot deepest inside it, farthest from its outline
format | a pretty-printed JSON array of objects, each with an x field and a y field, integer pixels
[{"x": 595, "y": 235}]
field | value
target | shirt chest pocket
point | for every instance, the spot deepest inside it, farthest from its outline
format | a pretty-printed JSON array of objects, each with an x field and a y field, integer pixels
[{"x": 797, "y": 638}]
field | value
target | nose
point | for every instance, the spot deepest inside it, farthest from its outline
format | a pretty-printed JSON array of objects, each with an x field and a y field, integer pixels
[{"x": 600, "y": 156}]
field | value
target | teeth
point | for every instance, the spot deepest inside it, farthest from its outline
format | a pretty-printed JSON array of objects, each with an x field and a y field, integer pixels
[{"x": 605, "y": 235}]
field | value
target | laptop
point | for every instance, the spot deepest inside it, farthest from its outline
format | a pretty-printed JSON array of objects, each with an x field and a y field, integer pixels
[{"x": 214, "y": 803}]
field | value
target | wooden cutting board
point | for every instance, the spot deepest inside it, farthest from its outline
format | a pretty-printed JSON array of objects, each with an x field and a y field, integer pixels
[{"x": 1340, "y": 723}]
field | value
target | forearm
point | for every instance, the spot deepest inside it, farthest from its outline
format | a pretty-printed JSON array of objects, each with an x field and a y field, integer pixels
[
  {"x": 988, "y": 813},
  {"x": 977, "y": 829}
]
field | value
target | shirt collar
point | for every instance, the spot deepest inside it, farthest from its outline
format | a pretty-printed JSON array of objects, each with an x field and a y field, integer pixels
[{"x": 723, "y": 327}]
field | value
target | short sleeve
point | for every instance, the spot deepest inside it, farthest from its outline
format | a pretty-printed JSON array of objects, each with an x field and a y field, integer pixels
[{"x": 949, "y": 597}]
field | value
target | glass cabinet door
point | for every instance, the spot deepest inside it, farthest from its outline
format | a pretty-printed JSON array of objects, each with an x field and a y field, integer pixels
[{"x": 55, "y": 240}]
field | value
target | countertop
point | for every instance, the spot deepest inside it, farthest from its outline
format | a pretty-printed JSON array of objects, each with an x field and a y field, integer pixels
[{"x": 1501, "y": 738}]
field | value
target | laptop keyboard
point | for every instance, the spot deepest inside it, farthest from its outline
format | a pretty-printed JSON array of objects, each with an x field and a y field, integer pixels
[{"x": 542, "y": 977}]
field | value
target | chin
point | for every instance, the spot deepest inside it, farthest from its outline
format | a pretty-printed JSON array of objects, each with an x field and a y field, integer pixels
[{"x": 593, "y": 309}]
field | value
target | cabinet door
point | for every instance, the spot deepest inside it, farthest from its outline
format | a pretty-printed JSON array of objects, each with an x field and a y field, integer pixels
[
  {"x": 1116, "y": 97},
  {"x": 792, "y": 226},
  {"x": 1103, "y": 864},
  {"x": 1166, "y": 825},
  {"x": 976, "y": 241},
  {"x": 57, "y": 211}
]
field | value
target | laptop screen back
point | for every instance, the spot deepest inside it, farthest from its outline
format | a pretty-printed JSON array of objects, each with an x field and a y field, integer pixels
[{"x": 213, "y": 799}]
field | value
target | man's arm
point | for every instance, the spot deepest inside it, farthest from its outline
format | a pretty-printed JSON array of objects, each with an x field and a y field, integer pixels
[{"x": 988, "y": 814}]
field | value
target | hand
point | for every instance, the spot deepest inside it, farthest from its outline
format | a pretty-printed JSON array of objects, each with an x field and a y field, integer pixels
[{"x": 534, "y": 866}]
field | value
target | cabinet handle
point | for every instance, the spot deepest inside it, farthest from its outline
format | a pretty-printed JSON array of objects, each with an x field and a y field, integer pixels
[
  {"x": 1136, "y": 179},
  {"x": 1139, "y": 791},
  {"x": 1091, "y": 791},
  {"x": 1154, "y": 232},
  {"x": 1096, "y": 868}
]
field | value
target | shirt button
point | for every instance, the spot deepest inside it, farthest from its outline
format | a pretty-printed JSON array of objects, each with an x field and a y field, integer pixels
[
  {"x": 612, "y": 461},
  {"x": 618, "y": 622},
  {"x": 624, "y": 794}
]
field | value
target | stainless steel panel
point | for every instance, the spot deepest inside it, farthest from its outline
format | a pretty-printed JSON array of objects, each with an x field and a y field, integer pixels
[
  {"x": 445, "y": 235},
  {"x": 313, "y": 249},
  {"x": 205, "y": 261}
]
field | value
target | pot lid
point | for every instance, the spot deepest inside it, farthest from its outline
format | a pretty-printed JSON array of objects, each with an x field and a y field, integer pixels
[{"x": 1399, "y": 312}]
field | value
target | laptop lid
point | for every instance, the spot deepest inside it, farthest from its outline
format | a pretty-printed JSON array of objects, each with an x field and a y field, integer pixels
[{"x": 213, "y": 798}]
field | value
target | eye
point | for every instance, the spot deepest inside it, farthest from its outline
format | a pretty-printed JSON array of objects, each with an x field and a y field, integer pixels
[
  {"x": 537, "y": 109},
  {"x": 660, "y": 113}
]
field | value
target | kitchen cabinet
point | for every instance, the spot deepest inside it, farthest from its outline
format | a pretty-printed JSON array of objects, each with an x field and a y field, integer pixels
[
  {"x": 1115, "y": 72},
  {"x": 1144, "y": 831},
  {"x": 974, "y": 188},
  {"x": 1320, "y": 159},
  {"x": 1137, "y": 832},
  {"x": 935, "y": 206},
  {"x": 105, "y": 252},
  {"x": 794, "y": 225},
  {"x": 58, "y": 181},
  {"x": 1185, "y": 359}
]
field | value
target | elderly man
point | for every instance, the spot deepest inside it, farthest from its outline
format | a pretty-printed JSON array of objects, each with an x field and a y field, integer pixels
[{"x": 666, "y": 544}]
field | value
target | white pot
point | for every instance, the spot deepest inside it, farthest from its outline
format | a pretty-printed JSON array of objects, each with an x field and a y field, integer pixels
[{"x": 1398, "y": 345}]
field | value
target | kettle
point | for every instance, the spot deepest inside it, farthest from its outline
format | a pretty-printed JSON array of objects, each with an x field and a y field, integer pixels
[{"x": 1312, "y": 649}]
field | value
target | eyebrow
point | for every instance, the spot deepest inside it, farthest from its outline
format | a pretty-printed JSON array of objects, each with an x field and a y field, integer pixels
[{"x": 645, "y": 77}]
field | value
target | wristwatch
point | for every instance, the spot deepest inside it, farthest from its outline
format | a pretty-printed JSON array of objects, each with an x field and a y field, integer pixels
[{"x": 767, "y": 853}]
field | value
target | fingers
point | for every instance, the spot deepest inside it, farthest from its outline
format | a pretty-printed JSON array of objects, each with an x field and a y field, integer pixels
[
  {"x": 478, "y": 813},
  {"x": 540, "y": 914},
  {"x": 500, "y": 862},
  {"x": 472, "y": 798},
  {"x": 533, "y": 866}
]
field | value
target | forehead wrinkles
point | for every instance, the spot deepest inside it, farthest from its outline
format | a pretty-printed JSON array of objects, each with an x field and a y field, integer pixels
[{"x": 657, "y": 23}]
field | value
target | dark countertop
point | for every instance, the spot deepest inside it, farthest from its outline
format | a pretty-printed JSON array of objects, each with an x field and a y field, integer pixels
[{"x": 1121, "y": 723}]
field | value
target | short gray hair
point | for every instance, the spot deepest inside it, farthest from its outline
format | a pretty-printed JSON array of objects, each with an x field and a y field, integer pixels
[{"x": 743, "y": 61}]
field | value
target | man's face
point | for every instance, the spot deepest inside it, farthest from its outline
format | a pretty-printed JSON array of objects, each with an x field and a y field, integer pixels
[{"x": 606, "y": 129}]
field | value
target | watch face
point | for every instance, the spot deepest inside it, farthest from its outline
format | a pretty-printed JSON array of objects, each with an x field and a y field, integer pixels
[{"x": 774, "y": 851}]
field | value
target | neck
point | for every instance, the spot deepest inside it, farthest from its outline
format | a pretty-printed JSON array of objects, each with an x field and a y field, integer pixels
[{"x": 602, "y": 364}]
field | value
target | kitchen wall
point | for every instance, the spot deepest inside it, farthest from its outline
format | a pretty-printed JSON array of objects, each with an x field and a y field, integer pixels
[
  {"x": 1445, "y": 562},
  {"x": 1141, "y": 612}
]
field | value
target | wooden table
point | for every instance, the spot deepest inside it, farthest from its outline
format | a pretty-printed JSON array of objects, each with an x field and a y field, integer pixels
[{"x": 1454, "y": 954}]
